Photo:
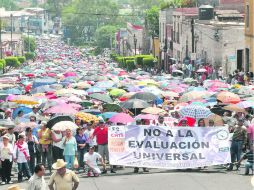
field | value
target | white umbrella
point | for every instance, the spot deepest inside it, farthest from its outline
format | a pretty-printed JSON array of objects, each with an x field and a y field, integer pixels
[{"x": 63, "y": 125}]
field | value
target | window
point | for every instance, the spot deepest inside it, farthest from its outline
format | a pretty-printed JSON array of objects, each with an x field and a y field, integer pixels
[{"x": 247, "y": 16}]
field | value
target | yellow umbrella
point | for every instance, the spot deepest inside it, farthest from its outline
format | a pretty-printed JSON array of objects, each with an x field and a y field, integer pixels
[
  {"x": 86, "y": 117},
  {"x": 235, "y": 108},
  {"x": 170, "y": 94},
  {"x": 27, "y": 100},
  {"x": 194, "y": 95},
  {"x": 154, "y": 111}
]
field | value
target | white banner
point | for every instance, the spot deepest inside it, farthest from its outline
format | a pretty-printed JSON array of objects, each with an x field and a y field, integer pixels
[{"x": 168, "y": 147}]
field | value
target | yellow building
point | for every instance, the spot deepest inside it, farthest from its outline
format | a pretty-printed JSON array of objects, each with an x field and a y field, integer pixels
[{"x": 249, "y": 35}]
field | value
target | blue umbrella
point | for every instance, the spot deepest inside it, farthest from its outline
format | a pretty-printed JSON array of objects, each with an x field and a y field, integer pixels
[
  {"x": 193, "y": 88},
  {"x": 95, "y": 90},
  {"x": 13, "y": 91},
  {"x": 104, "y": 84},
  {"x": 107, "y": 115},
  {"x": 25, "y": 109}
]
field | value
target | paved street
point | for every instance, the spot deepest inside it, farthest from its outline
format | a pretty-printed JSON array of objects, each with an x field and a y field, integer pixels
[{"x": 210, "y": 179}]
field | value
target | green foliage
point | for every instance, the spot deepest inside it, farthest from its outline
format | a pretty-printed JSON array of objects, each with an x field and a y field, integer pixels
[
  {"x": 32, "y": 44},
  {"x": 105, "y": 35},
  {"x": 12, "y": 62},
  {"x": 2, "y": 63},
  {"x": 82, "y": 27},
  {"x": 152, "y": 20},
  {"x": 29, "y": 55},
  {"x": 178, "y": 3},
  {"x": 22, "y": 59},
  {"x": 148, "y": 62},
  {"x": 130, "y": 65},
  {"x": 9, "y": 5},
  {"x": 113, "y": 56}
]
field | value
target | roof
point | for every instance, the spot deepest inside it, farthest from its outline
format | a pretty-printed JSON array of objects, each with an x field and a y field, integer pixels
[
  {"x": 135, "y": 27},
  {"x": 231, "y": 1},
  {"x": 188, "y": 11}
]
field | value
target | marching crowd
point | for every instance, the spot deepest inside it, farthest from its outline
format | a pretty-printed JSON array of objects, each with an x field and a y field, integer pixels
[{"x": 68, "y": 152}]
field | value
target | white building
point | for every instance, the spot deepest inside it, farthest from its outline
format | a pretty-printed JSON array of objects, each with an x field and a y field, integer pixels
[
  {"x": 220, "y": 44},
  {"x": 182, "y": 32}
]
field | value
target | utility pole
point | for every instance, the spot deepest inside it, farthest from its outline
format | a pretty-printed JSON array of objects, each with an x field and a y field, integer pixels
[
  {"x": 11, "y": 33},
  {"x": 28, "y": 30},
  {"x": 192, "y": 36},
  {"x": 1, "y": 45},
  {"x": 135, "y": 43}
]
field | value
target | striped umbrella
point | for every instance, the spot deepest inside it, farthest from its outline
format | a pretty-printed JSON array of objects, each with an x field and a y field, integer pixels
[{"x": 195, "y": 111}]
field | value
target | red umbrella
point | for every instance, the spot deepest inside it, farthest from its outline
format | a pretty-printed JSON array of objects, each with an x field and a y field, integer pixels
[
  {"x": 121, "y": 73},
  {"x": 190, "y": 121},
  {"x": 30, "y": 75}
]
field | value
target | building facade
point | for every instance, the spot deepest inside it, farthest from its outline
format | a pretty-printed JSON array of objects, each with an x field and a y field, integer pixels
[
  {"x": 220, "y": 44},
  {"x": 182, "y": 36},
  {"x": 249, "y": 35}
]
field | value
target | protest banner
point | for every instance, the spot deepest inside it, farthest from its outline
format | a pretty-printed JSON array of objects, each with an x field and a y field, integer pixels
[{"x": 168, "y": 147}]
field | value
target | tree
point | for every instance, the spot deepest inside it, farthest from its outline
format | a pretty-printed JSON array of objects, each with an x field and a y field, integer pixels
[
  {"x": 152, "y": 20},
  {"x": 2, "y": 63},
  {"x": 29, "y": 55},
  {"x": 81, "y": 19},
  {"x": 21, "y": 59},
  {"x": 32, "y": 44},
  {"x": 9, "y": 5},
  {"x": 104, "y": 36},
  {"x": 11, "y": 62}
]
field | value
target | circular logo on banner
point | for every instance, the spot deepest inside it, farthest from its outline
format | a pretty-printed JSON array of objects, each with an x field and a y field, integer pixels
[{"x": 222, "y": 134}]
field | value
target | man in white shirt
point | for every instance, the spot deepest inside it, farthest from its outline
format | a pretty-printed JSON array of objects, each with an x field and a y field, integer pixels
[
  {"x": 91, "y": 159},
  {"x": 37, "y": 181}
]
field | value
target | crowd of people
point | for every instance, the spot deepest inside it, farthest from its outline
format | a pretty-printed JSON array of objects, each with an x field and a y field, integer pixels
[{"x": 32, "y": 144}]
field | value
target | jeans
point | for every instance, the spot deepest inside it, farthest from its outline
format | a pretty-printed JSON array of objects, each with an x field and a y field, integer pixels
[
  {"x": 248, "y": 166},
  {"x": 81, "y": 153},
  {"x": 6, "y": 170},
  {"x": 46, "y": 155},
  {"x": 32, "y": 162},
  {"x": 23, "y": 168},
  {"x": 70, "y": 160},
  {"x": 235, "y": 151},
  {"x": 57, "y": 153}
]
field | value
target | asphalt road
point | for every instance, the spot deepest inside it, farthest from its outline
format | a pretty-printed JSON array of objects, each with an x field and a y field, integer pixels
[{"x": 209, "y": 179}]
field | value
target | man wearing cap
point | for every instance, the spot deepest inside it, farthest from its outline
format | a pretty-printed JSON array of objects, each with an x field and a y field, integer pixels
[
  {"x": 101, "y": 133},
  {"x": 63, "y": 178},
  {"x": 239, "y": 141}
]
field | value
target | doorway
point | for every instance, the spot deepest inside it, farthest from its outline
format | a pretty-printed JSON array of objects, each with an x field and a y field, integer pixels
[{"x": 240, "y": 59}]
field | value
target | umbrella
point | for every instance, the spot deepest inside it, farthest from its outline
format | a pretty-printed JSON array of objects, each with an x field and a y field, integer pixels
[
  {"x": 25, "y": 109},
  {"x": 201, "y": 71},
  {"x": 154, "y": 111},
  {"x": 112, "y": 108},
  {"x": 92, "y": 111},
  {"x": 218, "y": 110},
  {"x": 101, "y": 97},
  {"x": 228, "y": 97},
  {"x": 218, "y": 121},
  {"x": 146, "y": 116},
  {"x": 64, "y": 125},
  {"x": 245, "y": 104},
  {"x": 194, "y": 95},
  {"x": 178, "y": 71},
  {"x": 22, "y": 126},
  {"x": 57, "y": 119},
  {"x": 74, "y": 99},
  {"x": 6, "y": 105},
  {"x": 86, "y": 104},
  {"x": 104, "y": 84},
  {"x": 170, "y": 94},
  {"x": 42, "y": 89},
  {"x": 195, "y": 111},
  {"x": 13, "y": 91},
  {"x": 86, "y": 117},
  {"x": 7, "y": 123},
  {"x": 95, "y": 90},
  {"x": 146, "y": 96},
  {"x": 117, "y": 92},
  {"x": 134, "y": 104},
  {"x": 234, "y": 108},
  {"x": 122, "y": 118},
  {"x": 22, "y": 99},
  {"x": 62, "y": 109},
  {"x": 108, "y": 115}
]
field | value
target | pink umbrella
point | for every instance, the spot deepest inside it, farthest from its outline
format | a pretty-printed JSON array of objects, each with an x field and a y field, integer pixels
[
  {"x": 62, "y": 109},
  {"x": 121, "y": 118},
  {"x": 70, "y": 74},
  {"x": 147, "y": 116},
  {"x": 52, "y": 74}
]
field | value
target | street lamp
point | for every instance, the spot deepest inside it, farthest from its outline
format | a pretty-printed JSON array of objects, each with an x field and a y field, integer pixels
[
  {"x": 135, "y": 43},
  {"x": 28, "y": 28},
  {"x": 11, "y": 33}
]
